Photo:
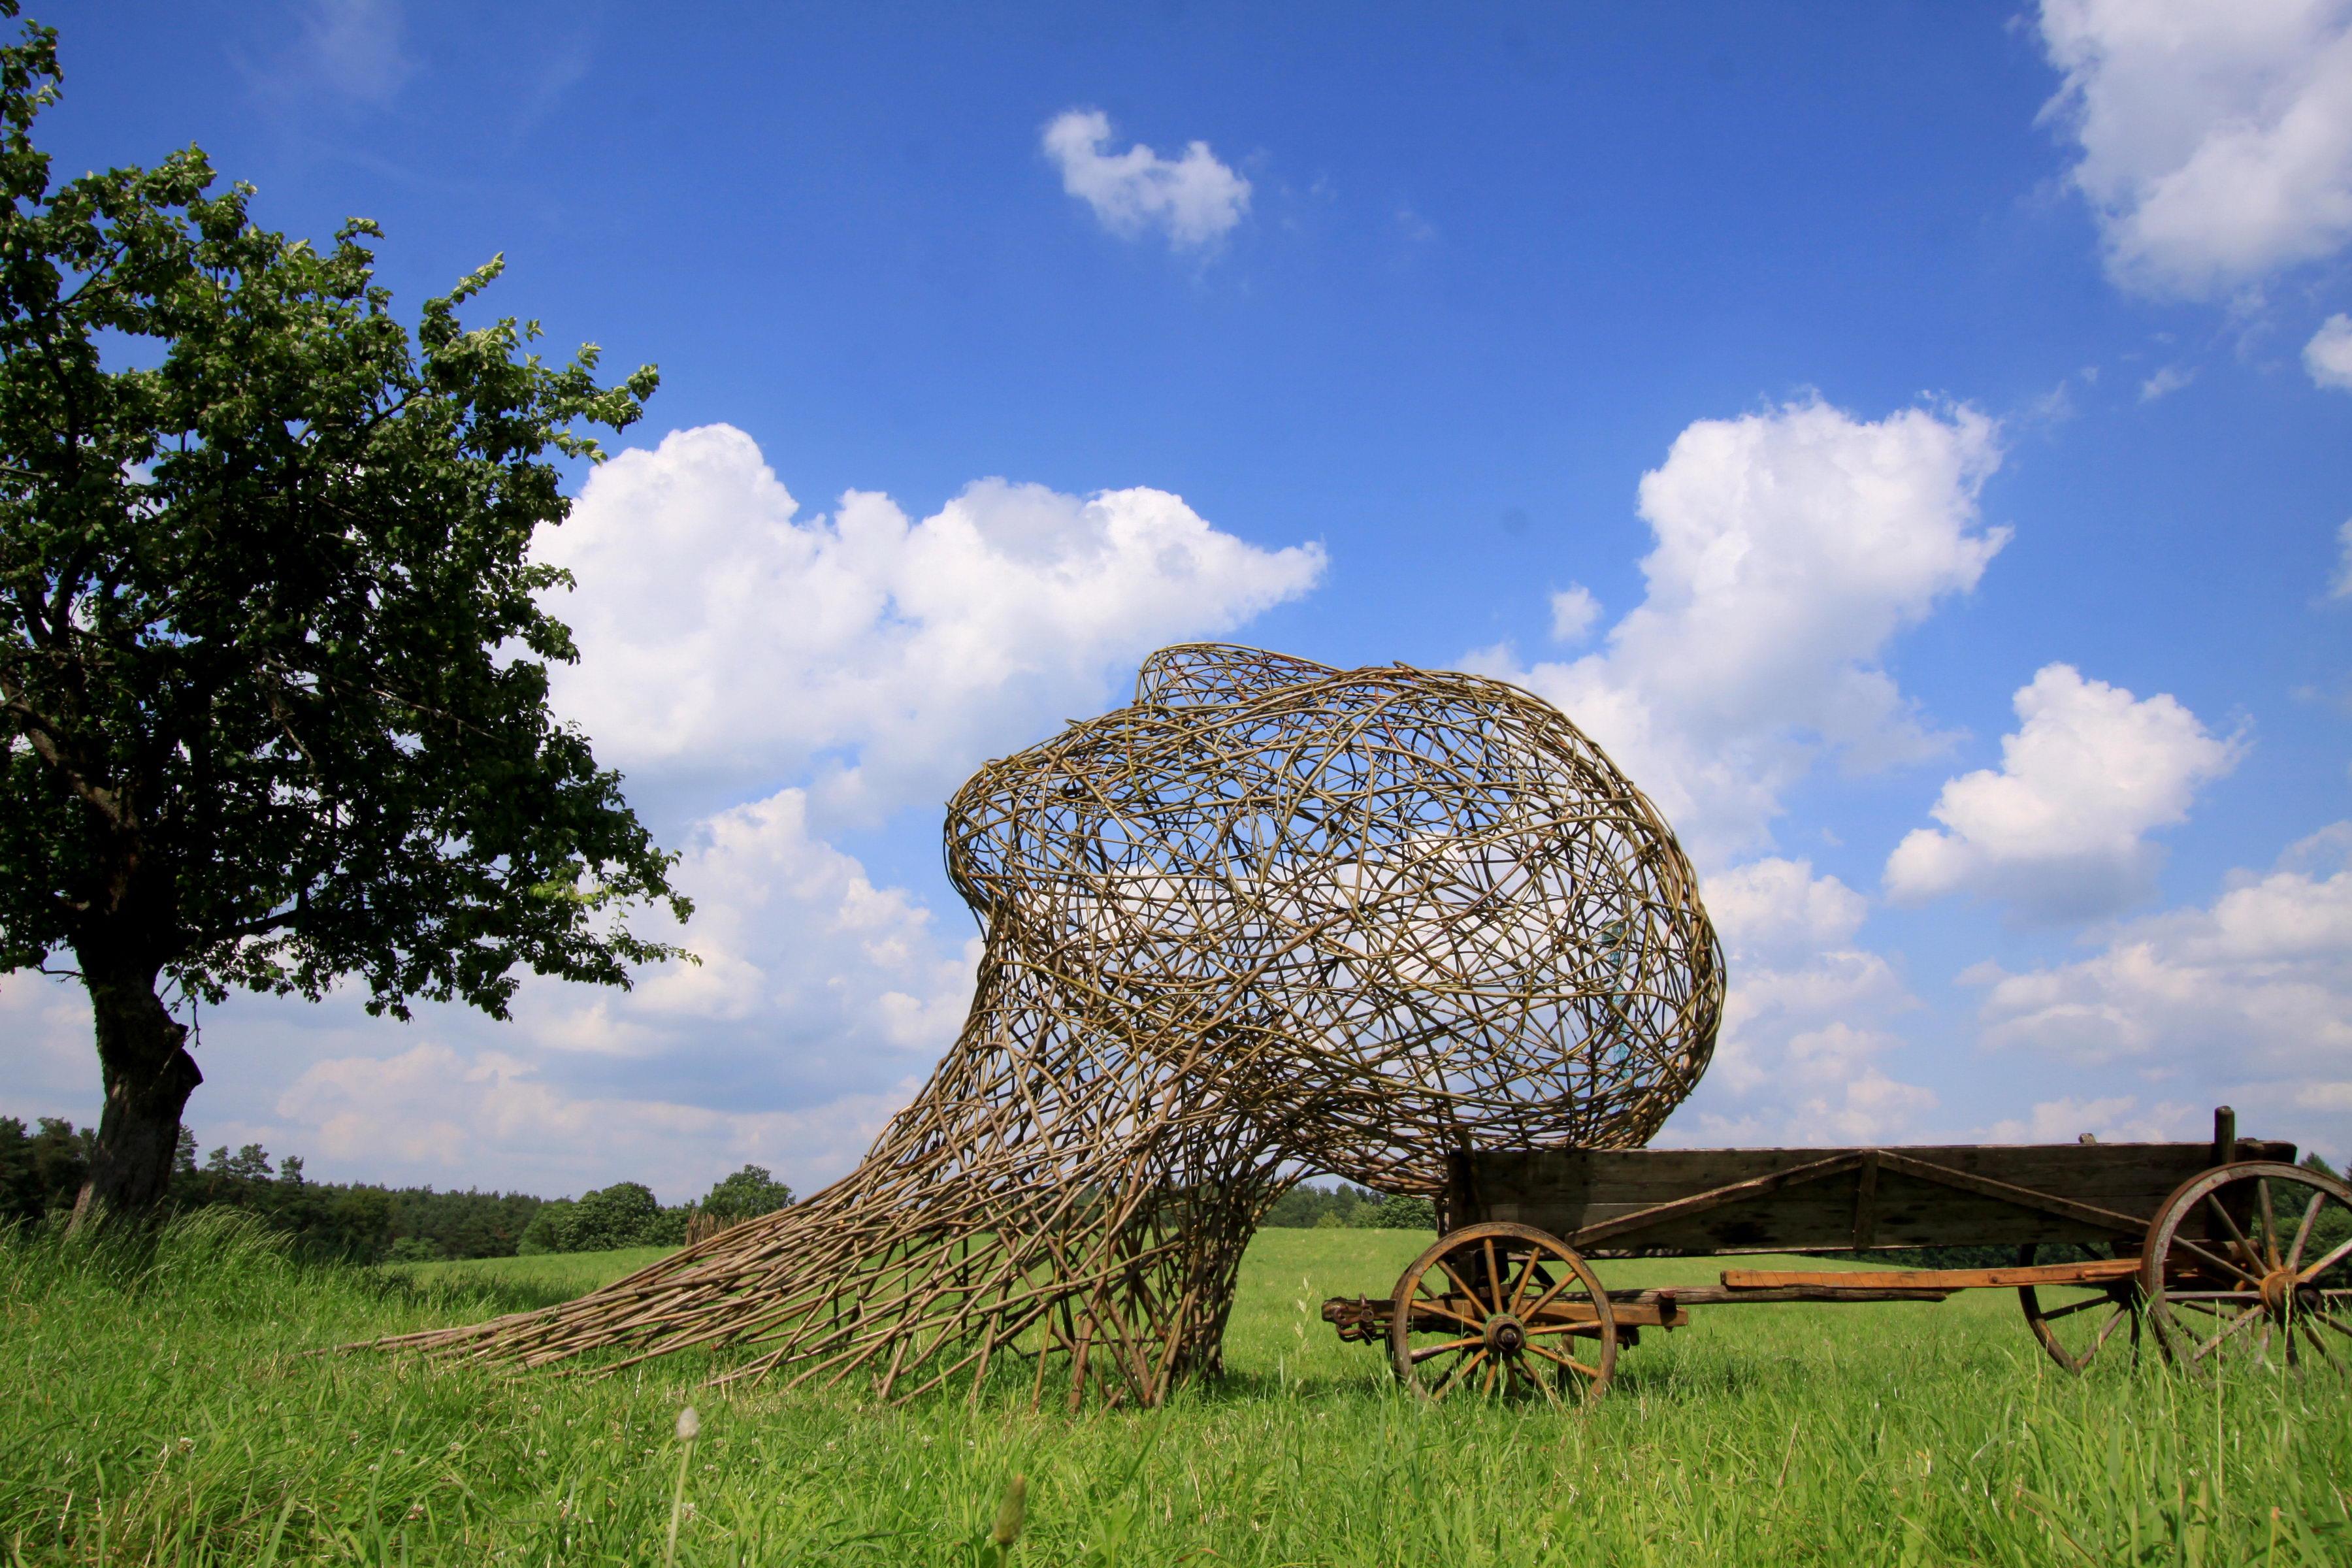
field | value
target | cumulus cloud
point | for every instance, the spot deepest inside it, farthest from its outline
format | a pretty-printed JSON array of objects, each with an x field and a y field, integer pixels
[
  {"x": 429, "y": 1109},
  {"x": 724, "y": 640},
  {"x": 2341, "y": 587},
  {"x": 1805, "y": 1047},
  {"x": 804, "y": 961},
  {"x": 2114, "y": 1118},
  {"x": 2216, "y": 135},
  {"x": 2328, "y": 355},
  {"x": 1195, "y": 199},
  {"x": 2060, "y": 829},
  {"x": 2164, "y": 383},
  {"x": 1574, "y": 612},
  {"x": 1792, "y": 546},
  {"x": 2249, "y": 996}
]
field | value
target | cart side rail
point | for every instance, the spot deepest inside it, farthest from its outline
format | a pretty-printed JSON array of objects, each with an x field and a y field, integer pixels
[{"x": 1821, "y": 1200}]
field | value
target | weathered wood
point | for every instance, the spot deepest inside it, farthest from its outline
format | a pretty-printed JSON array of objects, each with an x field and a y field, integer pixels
[
  {"x": 2098, "y": 1271},
  {"x": 1701, "y": 1201},
  {"x": 1712, "y": 1198},
  {"x": 1865, "y": 1202}
]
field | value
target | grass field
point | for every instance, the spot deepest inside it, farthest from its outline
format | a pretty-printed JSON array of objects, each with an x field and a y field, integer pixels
[{"x": 174, "y": 1418}]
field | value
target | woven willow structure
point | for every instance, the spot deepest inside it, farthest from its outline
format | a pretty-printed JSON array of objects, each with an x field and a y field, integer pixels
[{"x": 1271, "y": 917}]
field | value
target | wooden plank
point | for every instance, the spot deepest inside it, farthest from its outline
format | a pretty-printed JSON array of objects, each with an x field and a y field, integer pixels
[
  {"x": 1717, "y": 1197},
  {"x": 2099, "y": 1271},
  {"x": 2009, "y": 1192},
  {"x": 1865, "y": 1202},
  {"x": 1956, "y": 1195},
  {"x": 2133, "y": 1178},
  {"x": 1716, "y": 1296}
]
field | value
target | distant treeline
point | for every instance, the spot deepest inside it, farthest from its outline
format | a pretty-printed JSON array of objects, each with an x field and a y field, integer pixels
[
  {"x": 1307, "y": 1207},
  {"x": 41, "y": 1172}
]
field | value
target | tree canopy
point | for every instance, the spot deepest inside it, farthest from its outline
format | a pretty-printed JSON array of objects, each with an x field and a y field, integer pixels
[{"x": 273, "y": 647}]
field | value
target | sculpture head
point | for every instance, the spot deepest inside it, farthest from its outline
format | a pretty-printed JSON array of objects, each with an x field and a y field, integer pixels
[{"x": 1376, "y": 913}]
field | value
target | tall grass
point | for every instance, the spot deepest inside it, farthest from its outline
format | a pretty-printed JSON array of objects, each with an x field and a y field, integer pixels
[{"x": 158, "y": 1405}]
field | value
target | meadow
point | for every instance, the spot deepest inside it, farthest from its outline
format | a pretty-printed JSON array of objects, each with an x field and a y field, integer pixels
[{"x": 167, "y": 1409}]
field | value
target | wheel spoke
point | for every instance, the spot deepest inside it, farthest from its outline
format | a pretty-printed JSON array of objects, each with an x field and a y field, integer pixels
[
  {"x": 2270, "y": 1224},
  {"x": 1465, "y": 1364},
  {"x": 2237, "y": 1236},
  {"x": 2186, "y": 1244},
  {"x": 1464, "y": 1344},
  {"x": 2240, "y": 1321},
  {"x": 1519, "y": 1291},
  {"x": 1541, "y": 1385},
  {"x": 2109, "y": 1327},
  {"x": 2303, "y": 1231},
  {"x": 1571, "y": 1362},
  {"x": 2331, "y": 1320},
  {"x": 2319, "y": 1344},
  {"x": 1437, "y": 1305},
  {"x": 2337, "y": 1255},
  {"x": 1546, "y": 1298},
  {"x": 2071, "y": 1308},
  {"x": 1494, "y": 1372},
  {"x": 1460, "y": 1284}
]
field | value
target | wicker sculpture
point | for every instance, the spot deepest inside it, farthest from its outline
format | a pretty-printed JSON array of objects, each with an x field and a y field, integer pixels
[{"x": 1271, "y": 917}]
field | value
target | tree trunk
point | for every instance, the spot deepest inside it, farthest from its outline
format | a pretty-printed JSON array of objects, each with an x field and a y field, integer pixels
[{"x": 142, "y": 1054}]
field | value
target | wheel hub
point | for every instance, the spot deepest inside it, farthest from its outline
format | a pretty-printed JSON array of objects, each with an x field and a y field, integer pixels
[
  {"x": 1505, "y": 1334},
  {"x": 2283, "y": 1291}
]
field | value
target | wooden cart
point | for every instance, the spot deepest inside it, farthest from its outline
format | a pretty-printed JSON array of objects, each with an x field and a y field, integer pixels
[{"x": 2226, "y": 1251}]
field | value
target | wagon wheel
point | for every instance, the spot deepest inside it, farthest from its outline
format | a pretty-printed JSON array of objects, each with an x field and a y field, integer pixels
[
  {"x": 2074, "y": 1322},
  {"x": 1502, "y": 1310},
  {"x": 2251, "y": 1265}
]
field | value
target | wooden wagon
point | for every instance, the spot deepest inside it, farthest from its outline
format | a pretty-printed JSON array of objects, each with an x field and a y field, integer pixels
[{"x": 2224, "y": 1252}]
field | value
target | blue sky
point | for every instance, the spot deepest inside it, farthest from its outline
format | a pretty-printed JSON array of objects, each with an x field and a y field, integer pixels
[{"x": 1913, "y": 441}]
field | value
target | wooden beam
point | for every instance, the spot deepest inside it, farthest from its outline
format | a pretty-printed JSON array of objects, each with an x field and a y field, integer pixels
[
  {"x": 2023, "y": 1197},
  {"x": 2099, "y": 1271},
  {"x": 1713, "y": 1198},
  {"x": 1865, "y": 1202},
  {"x": 2225, "y": 1135}
]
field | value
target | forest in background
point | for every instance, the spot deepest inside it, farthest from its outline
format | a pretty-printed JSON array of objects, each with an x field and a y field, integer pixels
[{"x": 42, "y": 1170}]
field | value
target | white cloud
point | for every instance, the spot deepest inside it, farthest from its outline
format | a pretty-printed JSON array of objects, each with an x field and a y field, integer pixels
[
  {"x": 430, "y": 1110},
  {"x": 2061, "y": 829},
  {"x": 1196, "y": 199},
  {"x": 2115, "y": 1119},
  {"x": 798, "y": 949},
  {"x": 1804, "y": 1053},
  {"x": 1574, "y": 612},
  {"x": 2328, "y": 355},
  {"x": 2164, "y": 383},
  {"x": 2248, "y": 998},
  {"x": 725, "y": 641},
  {"x": 2341, "y": 588},
  {"x": 1792, "y": 546},
  {"x": 2216, "y": 135}
]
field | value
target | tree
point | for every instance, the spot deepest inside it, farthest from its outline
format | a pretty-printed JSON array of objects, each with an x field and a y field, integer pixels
[
  {"x": 748, "y": 1194},
  {"x": 273, "y": 663}
]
